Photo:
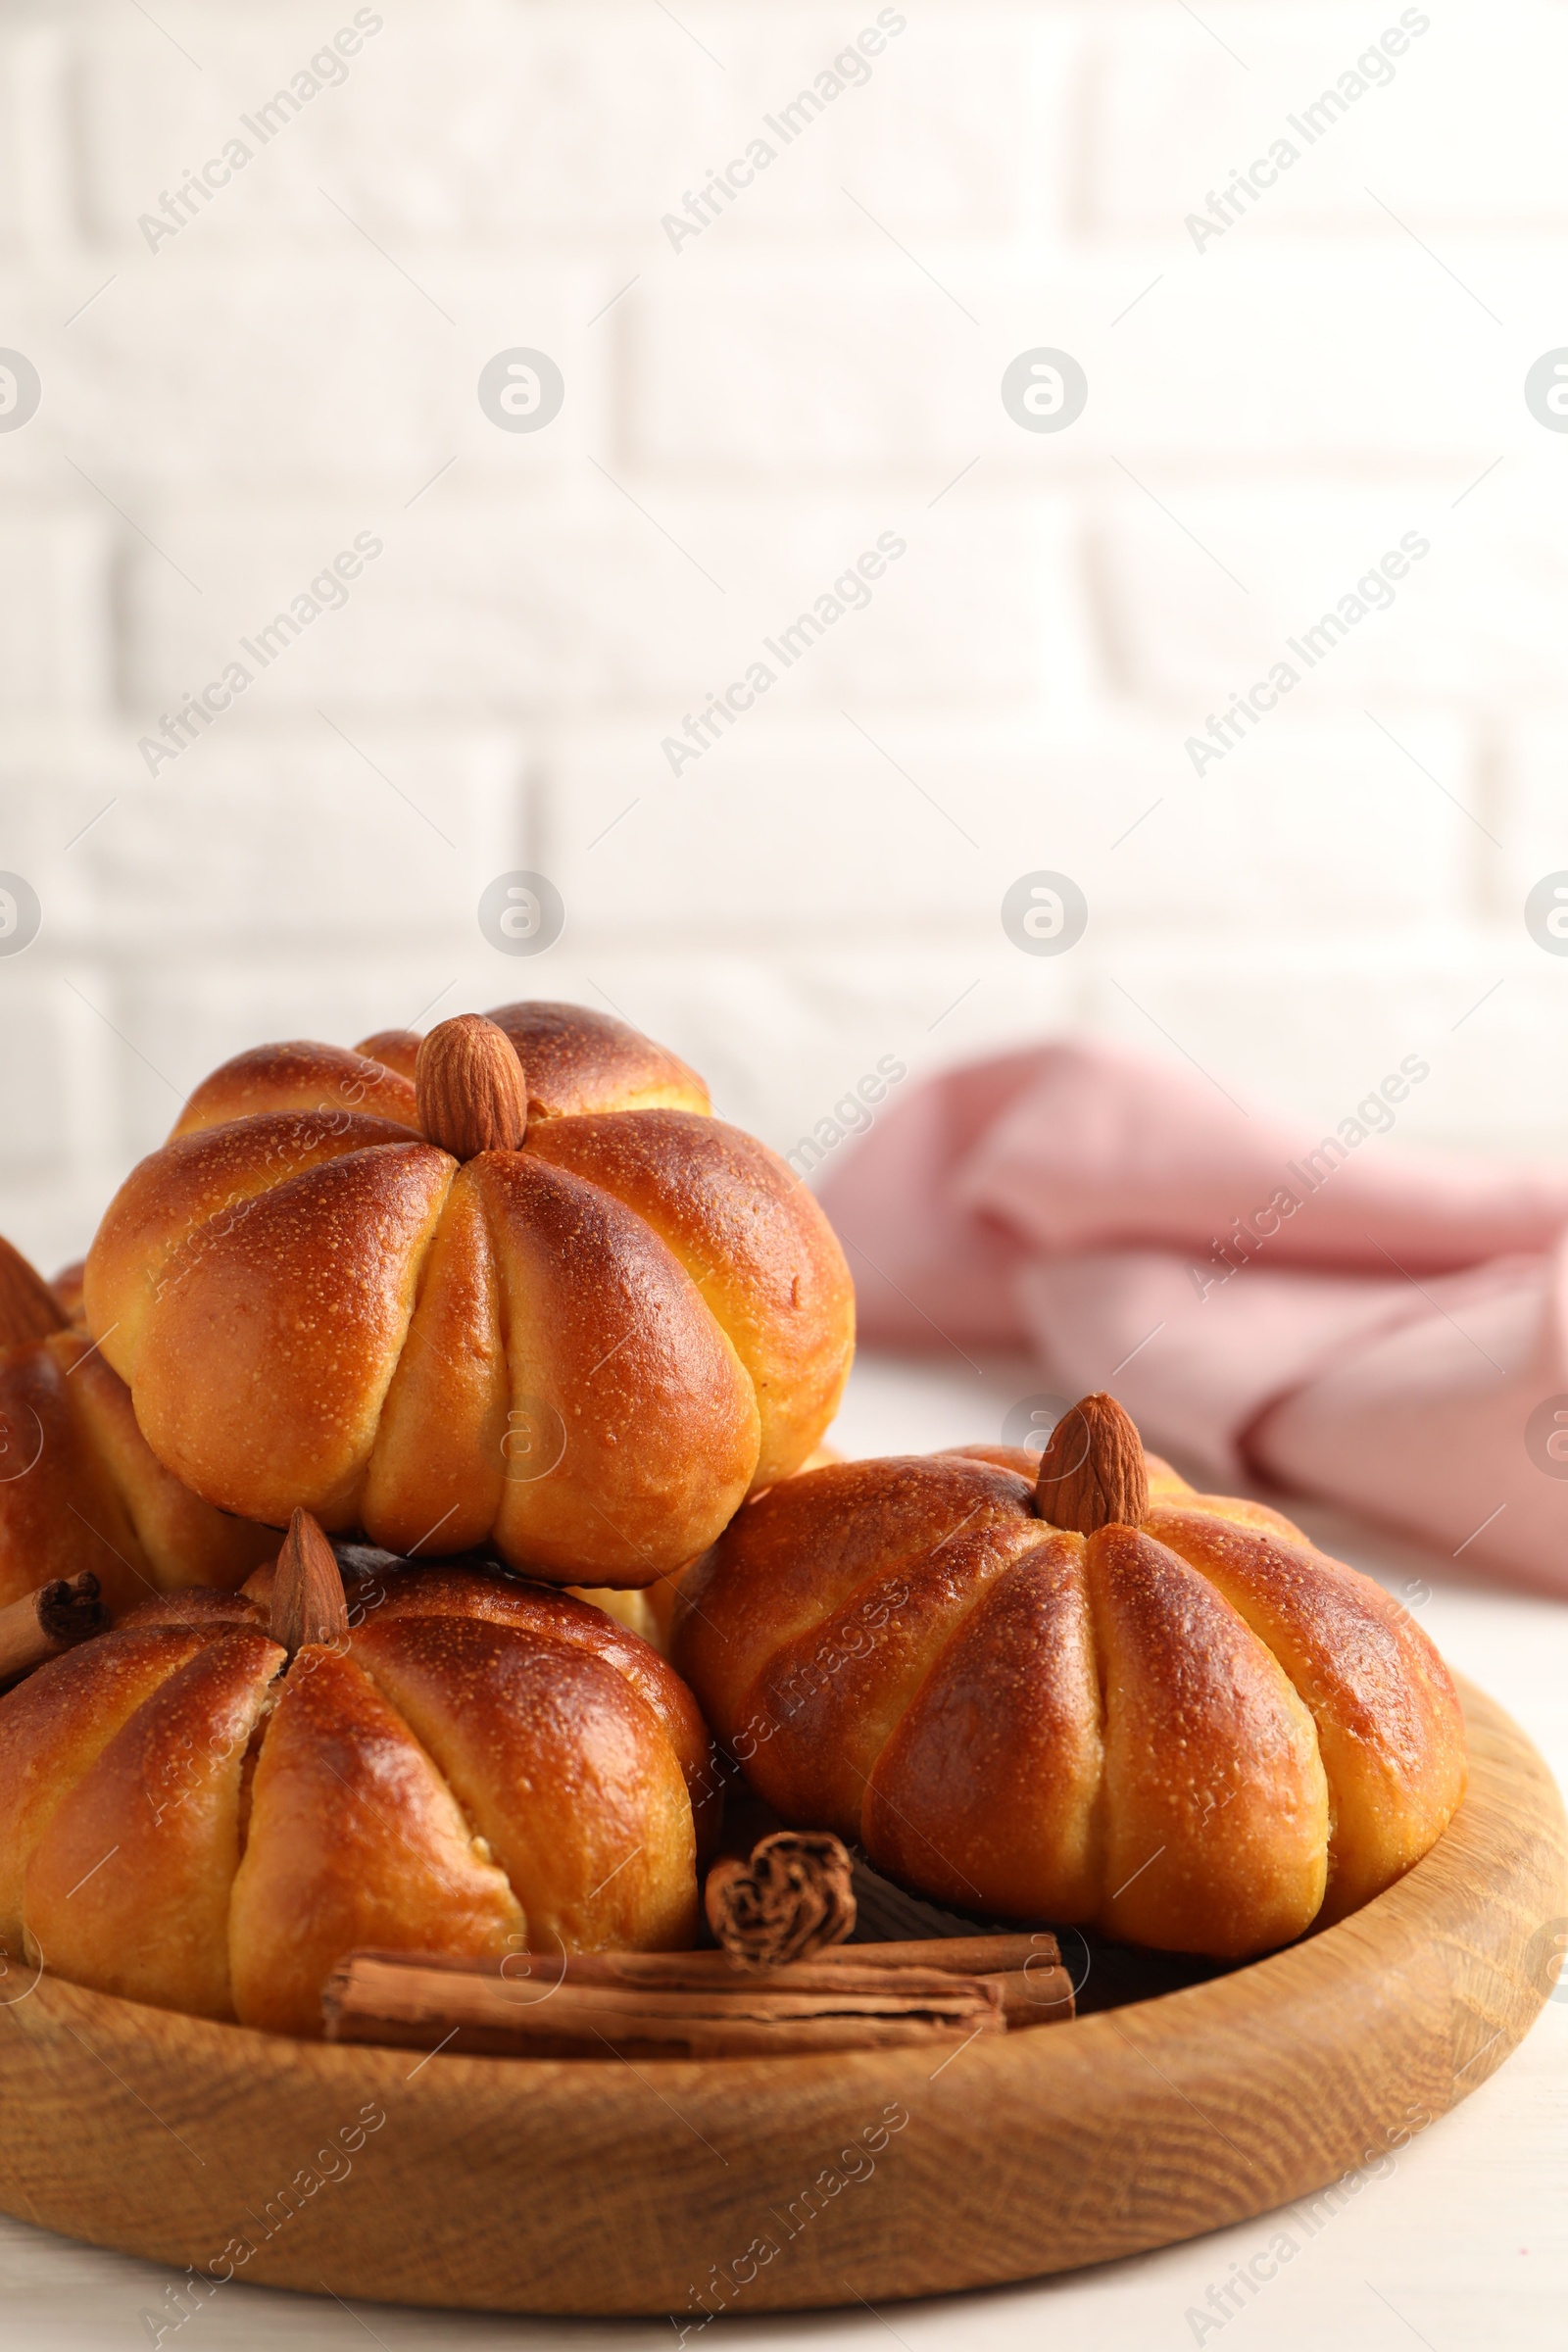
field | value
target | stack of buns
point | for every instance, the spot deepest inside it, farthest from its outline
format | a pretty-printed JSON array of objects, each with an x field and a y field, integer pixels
[
  {"x": 508, "y": 1295},
  {"x": 509, "y": 1302}
]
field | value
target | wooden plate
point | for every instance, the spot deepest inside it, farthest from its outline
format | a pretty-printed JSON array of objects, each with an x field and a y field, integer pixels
[{"x": 775, "y": 2183}]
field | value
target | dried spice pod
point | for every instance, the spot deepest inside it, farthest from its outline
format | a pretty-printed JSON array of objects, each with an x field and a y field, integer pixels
[{"x": 792, "y": 1897}]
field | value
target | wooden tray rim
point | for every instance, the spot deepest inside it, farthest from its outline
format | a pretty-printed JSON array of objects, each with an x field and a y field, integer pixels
[{"x": 1405, "y": 1939}]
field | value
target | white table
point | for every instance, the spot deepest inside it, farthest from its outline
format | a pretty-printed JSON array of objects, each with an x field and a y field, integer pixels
[{"x": 1463, "y": 2247}]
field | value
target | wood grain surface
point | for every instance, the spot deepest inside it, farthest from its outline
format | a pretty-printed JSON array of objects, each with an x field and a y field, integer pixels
[{"x": 753, "y": 2186}]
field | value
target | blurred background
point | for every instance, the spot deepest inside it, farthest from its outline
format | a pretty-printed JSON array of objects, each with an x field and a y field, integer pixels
[
  {"x": 266, "y": 276},
  {"x": 236, "y": 368}
]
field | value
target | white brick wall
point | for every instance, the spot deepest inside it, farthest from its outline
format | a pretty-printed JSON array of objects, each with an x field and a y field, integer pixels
[
  {"x": 1170, "y": 118},
  {"x": 744, "y": 415}
]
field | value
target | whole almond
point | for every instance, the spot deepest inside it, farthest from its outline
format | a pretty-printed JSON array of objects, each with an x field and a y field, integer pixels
[
  {"x": 308, "y": 1603},
  {"x": 1093, "y": 1472},
  {"x": 472, "y": 1094}
]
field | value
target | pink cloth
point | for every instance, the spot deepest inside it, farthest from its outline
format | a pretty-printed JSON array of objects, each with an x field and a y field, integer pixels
[{"x": 1385, "y": 1329}]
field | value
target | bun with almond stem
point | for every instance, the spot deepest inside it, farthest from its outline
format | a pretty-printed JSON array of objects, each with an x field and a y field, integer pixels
[
  {"x": 510, "y": 1283},
  {"x": 1077, "y": 1692},
  {"x": 81, "y": 1490},
  {"x": 208, "y": 1806}
]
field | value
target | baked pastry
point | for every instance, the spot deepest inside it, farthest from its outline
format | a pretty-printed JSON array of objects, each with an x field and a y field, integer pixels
[
  {"x": 1092, "y": 1696},
  {"x": 511, "y": 1283},
  {"x": 79, "y": 1487},
  {"x": 207, "y": 1806},
  {"x": 649, "y": 1609}
]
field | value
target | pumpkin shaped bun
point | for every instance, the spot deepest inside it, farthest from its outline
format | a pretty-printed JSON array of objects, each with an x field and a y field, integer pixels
[
  {"x": 510, "y": 1283},
  {"x": 1093, "y": 1697},
  {"x": 81, "y": 1489},
  {"x": 208, "y": 1806}
]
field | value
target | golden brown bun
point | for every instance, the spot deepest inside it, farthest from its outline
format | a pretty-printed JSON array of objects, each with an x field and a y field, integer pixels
[
  {"x": 650, "y": 1611},
  {"x": 395, "y": 1049},
  {"x": 67, "y": 1287},
  {"x": 1201, "y": 1735},
  {"x": 480, "y": 1766},
  {"x": 30, "y": 1307},
  {"x": 631, "y": 1608},
  {"x": 577, "y": 1060},
  {"x": 54, "y": 1726},
  {"x": 79, "y": 1487},
  {"x": 588, "y": 1351},
  {"x": 323, "y": 1081},
  {"x": 380, "y": 1594},
  {"x": 726, "y": 1207},
  {"x": 128, "y": 1886}
]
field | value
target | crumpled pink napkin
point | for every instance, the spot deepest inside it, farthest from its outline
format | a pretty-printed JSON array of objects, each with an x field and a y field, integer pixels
[{"x": 1381, "y": 1328}]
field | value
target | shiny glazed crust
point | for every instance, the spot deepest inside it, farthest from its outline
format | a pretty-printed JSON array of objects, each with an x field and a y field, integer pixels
[
  {"x": 588, "y": 1351},
  {"x": 482, "y": 1767},
  {"x": 81, "y": 1489},
  {"x": 1201, "y": 1735}
]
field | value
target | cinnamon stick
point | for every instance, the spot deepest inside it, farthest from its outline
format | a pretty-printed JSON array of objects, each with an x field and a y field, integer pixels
[
  {"x": 1034, "y": 1996},
  {"x": 558, "y": 2013},
  {"x": 794, "y": 1896},
  {"x": 1034, "y": 1988},
  {"x": 958, "y": 1955},
  {"x": 861, "y": 1967},
  {"x": 308, "y": 1603},
  {"x": 1003, "y": 1956},
  {"x": 42, "y": 1623}
]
